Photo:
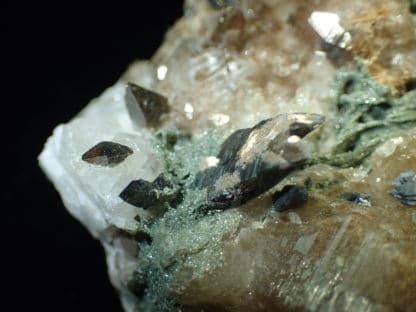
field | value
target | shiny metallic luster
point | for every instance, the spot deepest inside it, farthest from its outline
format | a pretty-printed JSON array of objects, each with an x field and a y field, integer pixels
[
  {"x": 107, "y": 154},
  {"x": 253, "y": 160}
]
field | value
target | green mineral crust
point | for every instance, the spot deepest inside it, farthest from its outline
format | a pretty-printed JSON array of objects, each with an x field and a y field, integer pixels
[
  {"x": 364, "y": 114},
  {"x": 187, "y": 241},
  {"x": 183, "y": 239},
  {"x": 189, "y": 236}
]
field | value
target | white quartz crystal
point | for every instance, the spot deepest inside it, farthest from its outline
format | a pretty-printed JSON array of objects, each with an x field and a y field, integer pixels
[{"x": 90, "y": 192}]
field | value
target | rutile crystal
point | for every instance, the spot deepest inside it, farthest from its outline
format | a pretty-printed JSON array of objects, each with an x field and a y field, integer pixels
[
  {"x": 145, "y": 194},
  {"x": 253, "y": 160},
  {"x": 107, "y": 154},
  {"x": 145, "y": 107}
]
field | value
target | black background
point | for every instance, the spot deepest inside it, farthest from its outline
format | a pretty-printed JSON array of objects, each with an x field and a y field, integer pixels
[{"x": 59, "y": 56}]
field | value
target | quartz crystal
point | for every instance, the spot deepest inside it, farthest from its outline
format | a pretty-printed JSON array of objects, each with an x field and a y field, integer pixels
[{"x": 263, "y": 160}]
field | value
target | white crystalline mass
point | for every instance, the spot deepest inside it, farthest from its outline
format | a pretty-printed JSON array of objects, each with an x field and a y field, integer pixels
[{"x": 90, "y": 192}]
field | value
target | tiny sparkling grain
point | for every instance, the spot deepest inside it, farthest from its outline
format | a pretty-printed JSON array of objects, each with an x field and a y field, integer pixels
[
  {"x": 189, "y": 110},
  {"x": 162, "y": 72},
  {"x": 293, "y": 139}
]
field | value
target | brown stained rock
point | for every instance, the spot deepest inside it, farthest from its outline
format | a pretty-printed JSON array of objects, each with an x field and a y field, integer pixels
[
  {"x": 339, "y": 257},
  {"x": 237, "y": 59},
  {"x": 230, "y": 30},
  {"x": 383, "y": 36}
]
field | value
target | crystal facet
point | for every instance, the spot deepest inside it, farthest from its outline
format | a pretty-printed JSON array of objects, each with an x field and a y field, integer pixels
[
  {"x": 145, "y": 107},
  {"x": 253, "y": 160},
  {"x": 144, "y": 194},
  {"x": 107, "y": 154}
]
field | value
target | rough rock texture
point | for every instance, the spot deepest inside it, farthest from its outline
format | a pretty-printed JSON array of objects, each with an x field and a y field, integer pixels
[{"x": 227, "y": 66}]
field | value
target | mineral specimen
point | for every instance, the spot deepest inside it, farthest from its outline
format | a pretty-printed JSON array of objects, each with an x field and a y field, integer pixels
[
  {"x": 238, "y": 90},
  {"x": 107, "y": 154}
]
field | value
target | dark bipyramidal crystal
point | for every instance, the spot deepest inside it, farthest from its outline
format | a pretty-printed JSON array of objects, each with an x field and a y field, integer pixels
[
  {"x": 145, "y": 107},
  {"x": 253, "y": 160},
  {"x": 107, "y": 154},
  {"x": 289, "y": 197},
  {"x": 405, "y": 188},
  {"x": 145, "y": 194}
]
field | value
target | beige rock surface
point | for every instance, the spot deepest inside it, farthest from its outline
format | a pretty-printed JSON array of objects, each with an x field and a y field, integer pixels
[{"x": 328, "y": 255}]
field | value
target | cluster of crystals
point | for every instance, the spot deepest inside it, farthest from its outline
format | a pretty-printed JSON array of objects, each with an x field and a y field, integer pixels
[{"x": 324, "y": 209}]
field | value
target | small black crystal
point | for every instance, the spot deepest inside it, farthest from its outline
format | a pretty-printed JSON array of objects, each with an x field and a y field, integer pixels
[
  {"x": 289, "y": 197},
  {"x": 145, "y": 107},
  {"x": 145, "y": 194},
  {"x": 405, "y": 188},
  {"x": 357, "y": 198},
  {"x": 107, "y": 154}
]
